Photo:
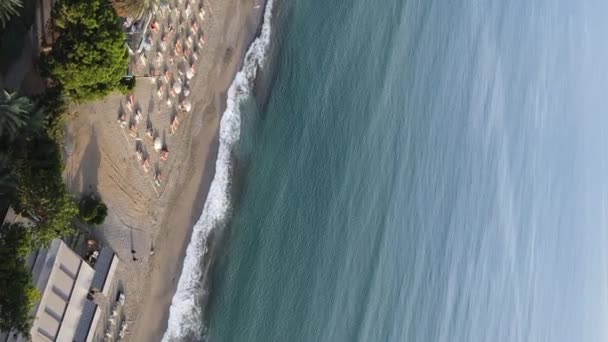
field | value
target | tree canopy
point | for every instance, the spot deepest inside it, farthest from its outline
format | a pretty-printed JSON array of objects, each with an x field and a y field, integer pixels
[
  {"x": 18, "y": 294},
  {"x": 41, "y": 194},
  {"x": 89, "y": 58},
  {"x": 93, "y": 210},
  {"x": 19, "y": 117}
]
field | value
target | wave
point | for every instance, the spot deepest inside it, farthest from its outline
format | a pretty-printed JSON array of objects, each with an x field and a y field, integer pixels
[{"x": 185, "y": 313}]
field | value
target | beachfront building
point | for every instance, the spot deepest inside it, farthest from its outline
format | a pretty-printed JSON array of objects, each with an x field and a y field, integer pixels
[{"x": 66, "y": 311}]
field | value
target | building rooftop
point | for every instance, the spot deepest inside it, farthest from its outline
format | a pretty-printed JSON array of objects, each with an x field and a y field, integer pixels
[{"x": 64, "y": 281}]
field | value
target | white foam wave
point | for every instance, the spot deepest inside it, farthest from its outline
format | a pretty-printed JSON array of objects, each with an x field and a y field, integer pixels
[{"x": 185, "y": 314}]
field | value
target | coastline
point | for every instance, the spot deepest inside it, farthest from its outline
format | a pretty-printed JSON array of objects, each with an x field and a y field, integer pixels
[
  {"x": 240, "y": 22},
  {"x": 155, "y": 222}
]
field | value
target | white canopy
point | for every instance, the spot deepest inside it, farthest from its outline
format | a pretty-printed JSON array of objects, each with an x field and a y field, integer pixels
[
  {"x": 187, "y": 106},
  {"x": 177, "y": 87}
]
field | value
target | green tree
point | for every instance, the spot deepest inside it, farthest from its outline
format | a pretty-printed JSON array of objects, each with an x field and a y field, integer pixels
[
  {"x": 44, "y": 198},
  {"x": 41, "y": 194},
  {"x": 20, "y": 117},
  {"x": 7, "y": 175},
  {"x": 137, "y": 9},
  {"x": 18, "y": 294},
  {"x": 9, "y": 9},
  {"x": 93, "y": 210},
  {"x": 89, "y": 58}
]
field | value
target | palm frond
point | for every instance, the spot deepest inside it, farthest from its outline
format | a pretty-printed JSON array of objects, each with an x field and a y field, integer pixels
[
  {"x": 9, "y": 9},
  {"x": 137, "y": 9},
  {"x": 19, "y": 115}
]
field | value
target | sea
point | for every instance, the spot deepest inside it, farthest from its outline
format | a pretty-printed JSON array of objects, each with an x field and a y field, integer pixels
[{"x": 409, "y": 170}]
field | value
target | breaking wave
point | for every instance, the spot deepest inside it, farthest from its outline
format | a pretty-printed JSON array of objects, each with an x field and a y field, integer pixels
[{"x": 185, "y": 313}]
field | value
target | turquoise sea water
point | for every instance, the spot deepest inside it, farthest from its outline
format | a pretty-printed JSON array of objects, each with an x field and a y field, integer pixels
[{"x": 422, "y": 171}]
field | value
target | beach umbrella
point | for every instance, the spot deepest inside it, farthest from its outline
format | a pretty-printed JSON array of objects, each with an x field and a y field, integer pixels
[
  {"x": 187, "y": 105},
  {"x": 190, "y": 72},
  {"x": 177, "y": 87}
]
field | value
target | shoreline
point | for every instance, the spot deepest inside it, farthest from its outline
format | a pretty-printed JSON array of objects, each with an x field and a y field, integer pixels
[
  {"x": 241, "y": 22},
  {"x": 150, "y": 227}
]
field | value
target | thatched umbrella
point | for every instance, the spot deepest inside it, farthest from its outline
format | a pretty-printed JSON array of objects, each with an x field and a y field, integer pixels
[
  {"x": 187, "y": 106},
  {"x": 177, "y": 87}
]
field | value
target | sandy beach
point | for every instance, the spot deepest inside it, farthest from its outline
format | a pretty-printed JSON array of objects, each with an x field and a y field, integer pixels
[{"x": 148, "y": 224}]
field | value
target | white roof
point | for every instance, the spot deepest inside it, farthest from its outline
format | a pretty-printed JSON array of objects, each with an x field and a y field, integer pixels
[{"x": 63, "y": 279}]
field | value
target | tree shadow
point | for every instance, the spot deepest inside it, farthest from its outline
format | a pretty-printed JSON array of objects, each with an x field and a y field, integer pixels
[
  {"x": 87, "y": 177},
  {"x": 151, "y": 105}
]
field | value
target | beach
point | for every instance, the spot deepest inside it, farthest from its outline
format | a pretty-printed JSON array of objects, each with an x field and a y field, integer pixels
[{"x": 149, "y": 225}]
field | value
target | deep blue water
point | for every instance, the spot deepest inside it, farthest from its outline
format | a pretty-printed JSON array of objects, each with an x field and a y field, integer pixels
[{"x": 423, "y": 171}]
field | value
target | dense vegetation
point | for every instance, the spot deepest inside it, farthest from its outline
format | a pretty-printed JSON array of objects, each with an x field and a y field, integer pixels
[
  {"x": 18, "y": 294},
  {"x": 30, "y": 176},
  {"x": 89, "y": 58},
  {"x": 16, "y": 19},
  {"x": 33, "y": 162},
  {"x": 93, "y": 210}
]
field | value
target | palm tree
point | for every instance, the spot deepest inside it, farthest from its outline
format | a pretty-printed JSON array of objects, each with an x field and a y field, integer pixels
[
  {"x": 7, "y": 174},
  {"x": 137, "y": 9},
  {"x": 8, "y": 9},
  {"x": 19, "y": 116}
]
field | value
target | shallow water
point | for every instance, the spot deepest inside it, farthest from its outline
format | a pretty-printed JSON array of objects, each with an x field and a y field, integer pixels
[{"x": 423, "y": 171}]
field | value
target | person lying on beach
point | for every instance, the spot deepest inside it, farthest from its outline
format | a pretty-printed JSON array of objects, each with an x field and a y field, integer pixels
[
  {"x": 164, "y": 154},
  {"x": 158, "y": 178},
  {"x": 130, "y": 102},
  {"x": 133, "y": 130},
  {"x": 174, "y": 125},
  {"x": 158, "y": 144},
  {"x": 138, "y": 115},
  {"x": 146, "y": 163},
  {"x": 122, "y": 120},
  {"x": 187, "y": 10}
]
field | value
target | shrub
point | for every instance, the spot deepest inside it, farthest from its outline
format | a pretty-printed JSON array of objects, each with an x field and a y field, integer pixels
[
  {"x": 93, "y": 210},
  {"x": 56, "y": 114},
  {"x": 41, "y": 194},
  {"x": 18, "y": 294},
  {"x": 127, "y": 84}
]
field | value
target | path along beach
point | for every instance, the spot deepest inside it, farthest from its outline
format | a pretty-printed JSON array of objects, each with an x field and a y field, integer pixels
[{"x": 149, "y": 225}]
